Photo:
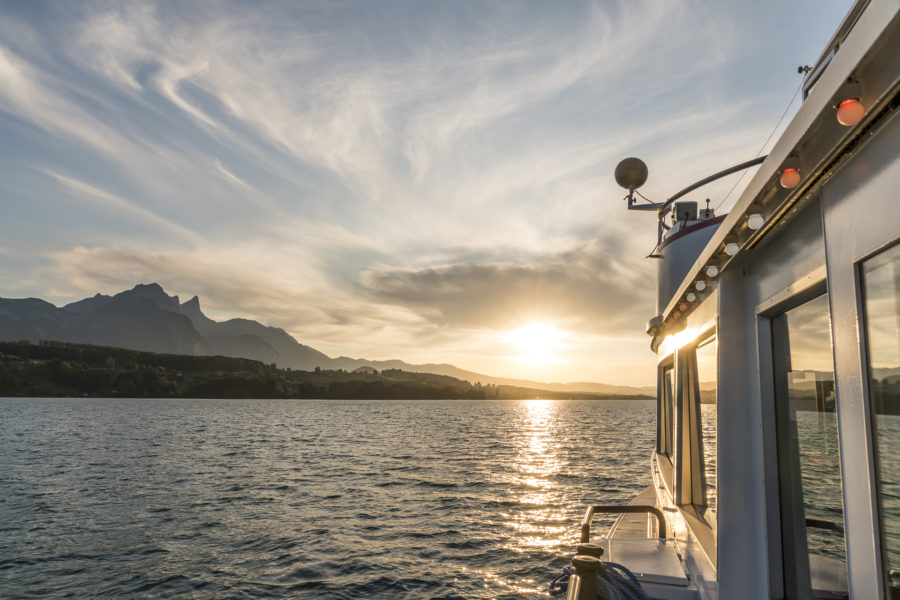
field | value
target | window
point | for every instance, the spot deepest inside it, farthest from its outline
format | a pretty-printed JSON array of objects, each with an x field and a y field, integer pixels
[
  {"x": 667, "y": 423},
  {"x": 707, "y": 377},
  {"x": 881, "y": 290},
  {"x": 809, "y": 469}
]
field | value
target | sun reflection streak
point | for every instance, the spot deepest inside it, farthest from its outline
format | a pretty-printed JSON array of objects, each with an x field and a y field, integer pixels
[
  {"x": 538, "y": 523},
  {"x": 533, "y": 587}
]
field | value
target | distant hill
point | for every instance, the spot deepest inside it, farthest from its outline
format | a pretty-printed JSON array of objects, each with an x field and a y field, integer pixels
[
  {"x": 147, "y": 318},
  {"x": 57, "y": 369},
  {"x": 472, "y": 377}
]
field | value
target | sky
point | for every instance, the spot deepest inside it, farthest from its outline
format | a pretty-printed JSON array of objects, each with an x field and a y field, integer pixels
[{"x": 423, "y": 180}]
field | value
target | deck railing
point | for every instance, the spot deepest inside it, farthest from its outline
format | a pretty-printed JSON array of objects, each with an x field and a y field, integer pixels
[{"x": 628, "y": 508}]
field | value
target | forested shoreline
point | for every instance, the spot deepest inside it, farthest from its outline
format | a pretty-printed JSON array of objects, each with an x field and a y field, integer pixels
[{"x": 59, "y": 369}]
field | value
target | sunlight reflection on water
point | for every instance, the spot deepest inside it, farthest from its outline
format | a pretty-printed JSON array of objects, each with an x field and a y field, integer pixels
[
  {"x": 284, "y": 499},
  {"x": 538, "y": 459}
]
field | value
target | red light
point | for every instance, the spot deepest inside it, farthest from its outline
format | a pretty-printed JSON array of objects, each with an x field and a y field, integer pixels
[
  {"x": 850, "y": 112},
  {"x": 790, "y": 178}
]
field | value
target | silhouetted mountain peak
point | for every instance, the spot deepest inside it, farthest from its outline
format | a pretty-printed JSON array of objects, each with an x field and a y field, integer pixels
[
  {"x": 146, "y": 318},
  {"x": 87, "y": 305},
  {"x": 155, "y": 293},
  {"x": 191, "y": 309}
]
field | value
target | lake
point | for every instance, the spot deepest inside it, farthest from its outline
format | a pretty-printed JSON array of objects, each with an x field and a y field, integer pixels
[{"x": 121, "y": 498}]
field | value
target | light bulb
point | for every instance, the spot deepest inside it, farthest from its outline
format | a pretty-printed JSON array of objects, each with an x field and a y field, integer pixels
[
  {"x": 850, "y": 112},
  {"x": 755, "y": 221},
  {"x": 691, "y": 296},
  {"x": 700, "y": 285},
  {"x": 712, "y": 270},
  {"x": 790, "y": 178},
  {"x": 731, "y": 248}
]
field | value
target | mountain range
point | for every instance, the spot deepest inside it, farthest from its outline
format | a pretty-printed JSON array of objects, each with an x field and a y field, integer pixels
[{"x": 147, "y": 318}]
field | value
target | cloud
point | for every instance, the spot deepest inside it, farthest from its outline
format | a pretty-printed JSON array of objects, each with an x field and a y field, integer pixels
[
  {"x": 229, "y": 176},
  {"x": 250, "y": 281},
  {"x": 380, "y": 178},
  {"x": 110, "y": 201},
  {"x": 587, "y": 286},
  {"x": 24, "y": 93}
]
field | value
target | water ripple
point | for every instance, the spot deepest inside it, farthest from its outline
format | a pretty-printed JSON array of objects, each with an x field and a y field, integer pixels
[{"x": 287, "y": 499}]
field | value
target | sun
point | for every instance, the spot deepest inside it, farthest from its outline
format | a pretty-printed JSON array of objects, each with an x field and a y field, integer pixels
[{"x": 536, "y": 342}]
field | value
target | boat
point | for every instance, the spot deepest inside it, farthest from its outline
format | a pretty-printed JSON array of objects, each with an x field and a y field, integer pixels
[{"x": 776, "y": 468}]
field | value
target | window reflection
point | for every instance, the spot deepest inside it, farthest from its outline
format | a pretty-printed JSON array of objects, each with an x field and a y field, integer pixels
[
  {"x": 881, "y": 290},
  {"x": 808, "y": 452},
  {"x": 707, "y": 375}
]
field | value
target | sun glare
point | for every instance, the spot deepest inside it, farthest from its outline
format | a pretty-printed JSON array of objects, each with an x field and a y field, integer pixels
[{"x": 536, "y": 342}]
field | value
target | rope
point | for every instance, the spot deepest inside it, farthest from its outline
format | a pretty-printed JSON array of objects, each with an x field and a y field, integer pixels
[
  {"x": 561, "y": 584},
  {"x": 618, "y": 583},
  {"x": 614, "y": 582}
]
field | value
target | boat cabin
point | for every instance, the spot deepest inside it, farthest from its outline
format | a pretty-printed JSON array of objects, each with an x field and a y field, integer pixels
[{"x": 777, "y": 461}]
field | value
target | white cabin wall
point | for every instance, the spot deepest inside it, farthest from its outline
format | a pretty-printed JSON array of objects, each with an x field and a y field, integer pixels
[
  {"x": 748, "y": 499},
  {"x": 742, "y": 572},
  {"x": 862, "y": 215}
]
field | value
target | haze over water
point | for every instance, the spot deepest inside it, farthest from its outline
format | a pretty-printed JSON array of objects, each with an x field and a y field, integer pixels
[{"x": 287, "y": 499}]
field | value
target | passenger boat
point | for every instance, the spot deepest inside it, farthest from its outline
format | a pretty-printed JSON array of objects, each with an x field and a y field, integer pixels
[{"x": 776, "y": 471}]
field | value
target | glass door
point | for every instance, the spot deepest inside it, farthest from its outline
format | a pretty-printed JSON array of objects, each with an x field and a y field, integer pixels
[
  {"x": 809, "y": 465},
  {"x": 880, "y": 277}
]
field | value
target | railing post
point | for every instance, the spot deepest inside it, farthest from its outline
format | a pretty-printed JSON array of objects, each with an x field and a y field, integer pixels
[
  {"x": 595, "y": 550},
  {"x": 586, "y": 568}
]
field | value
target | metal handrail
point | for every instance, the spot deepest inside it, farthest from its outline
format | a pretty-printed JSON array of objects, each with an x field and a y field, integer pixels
[
  {"x": 628, "y": 508},
  {"x": 744, "y": 165}
]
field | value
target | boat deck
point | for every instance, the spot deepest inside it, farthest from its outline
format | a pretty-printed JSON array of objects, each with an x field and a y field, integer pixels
[
  {"x": 633, "y": 541},
  {"x": 637, "y": 525}
]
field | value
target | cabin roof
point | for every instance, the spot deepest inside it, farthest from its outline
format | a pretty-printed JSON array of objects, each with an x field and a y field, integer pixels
[{"x": 814, "y": 142}]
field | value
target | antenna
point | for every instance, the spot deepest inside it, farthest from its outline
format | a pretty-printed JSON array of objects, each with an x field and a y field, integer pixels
[{"x": 631, "y": 173}]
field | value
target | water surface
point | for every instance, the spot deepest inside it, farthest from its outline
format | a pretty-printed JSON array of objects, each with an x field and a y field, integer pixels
[{"x": 112, "y": 498}]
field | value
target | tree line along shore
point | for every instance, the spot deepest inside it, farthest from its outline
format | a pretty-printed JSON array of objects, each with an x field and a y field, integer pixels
[{"x": 59, "y": 369}]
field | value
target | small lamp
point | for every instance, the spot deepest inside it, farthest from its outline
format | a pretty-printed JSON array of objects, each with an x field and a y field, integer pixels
[
  {"x": 790, "y": 177},
  {"x": 755, "y": 221},
  {"x": 850, "y": 110}
]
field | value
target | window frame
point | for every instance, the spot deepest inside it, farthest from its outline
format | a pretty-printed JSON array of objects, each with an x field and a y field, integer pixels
[
  {"x": 665, "y": 447},
  {"x": 690, "y": 486},
  {"x": 709, "y": 337},
  {"x": 785, "y": 572},
  {"x": 865, "y": 365},
  {"x": 683, "y": 473}
]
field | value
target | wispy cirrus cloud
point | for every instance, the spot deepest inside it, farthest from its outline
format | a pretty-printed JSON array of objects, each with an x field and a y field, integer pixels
[
  {"x": 110, "y": 202},
  {"x": 377, "y": 178}
]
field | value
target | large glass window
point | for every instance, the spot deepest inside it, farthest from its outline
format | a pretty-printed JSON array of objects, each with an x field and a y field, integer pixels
[
  {"x": 808, "y": 454},
  {"x": 881, "y": 290},
  {"x": 707, "y": 376}
]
